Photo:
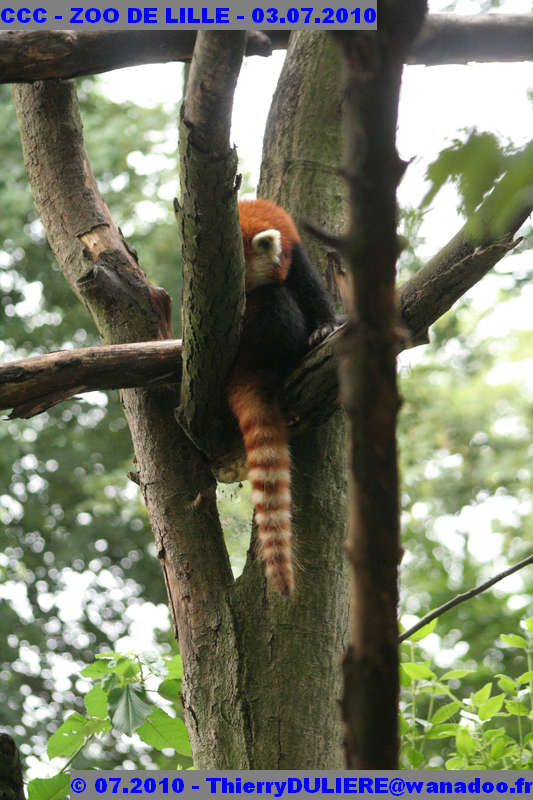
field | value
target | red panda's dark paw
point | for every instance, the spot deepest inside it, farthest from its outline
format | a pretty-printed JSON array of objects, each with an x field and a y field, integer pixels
[{"x": 321, "y": 333}]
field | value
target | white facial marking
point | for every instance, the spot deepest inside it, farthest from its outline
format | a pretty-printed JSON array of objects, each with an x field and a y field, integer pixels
[
  {"x": 268, "y": 243},
  {"x": 267, "y": 255}
]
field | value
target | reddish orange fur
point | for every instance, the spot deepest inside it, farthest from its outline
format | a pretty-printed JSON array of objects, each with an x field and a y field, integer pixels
[
  {"x": 267, "y": 451},
  {"x": 252, "y": 398},
  {"x": 261, "y": 215}
]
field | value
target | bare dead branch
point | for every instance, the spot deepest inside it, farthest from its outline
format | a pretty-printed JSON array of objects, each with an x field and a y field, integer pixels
[
  {"x": 461, "y": 598},
  {"x": 367, "y": 378},
  {"x": 445, "y": 39},
  {"x": 212, "y": 254},
  {"x": 34, "y": 384}
]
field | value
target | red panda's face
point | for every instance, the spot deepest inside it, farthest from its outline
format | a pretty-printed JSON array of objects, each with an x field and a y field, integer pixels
[{"x": 268, "y": 234}]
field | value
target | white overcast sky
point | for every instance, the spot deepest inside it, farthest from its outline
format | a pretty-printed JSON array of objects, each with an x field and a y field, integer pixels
[{"x": 436, "y": 103}]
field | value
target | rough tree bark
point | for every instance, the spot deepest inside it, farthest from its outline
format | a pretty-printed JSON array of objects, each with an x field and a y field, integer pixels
[
  {"x": 301, "y": 154},
  {"x": 211, "y": 243}
]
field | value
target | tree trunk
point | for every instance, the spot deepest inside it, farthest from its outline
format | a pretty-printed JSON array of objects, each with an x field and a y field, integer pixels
[
  {"x": 301, "y": 155},
  {"x": 261, "y": 674}
]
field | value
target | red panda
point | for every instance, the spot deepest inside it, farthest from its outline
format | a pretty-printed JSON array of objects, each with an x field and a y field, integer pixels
[{"x": 285, "y": 305}]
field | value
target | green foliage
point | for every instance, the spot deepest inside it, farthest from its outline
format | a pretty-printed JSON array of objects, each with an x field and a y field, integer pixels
[
  {"x": 490, "y": 728},
  {"x": 474, "y": 166},
  {"x": 122, "y": 701}
]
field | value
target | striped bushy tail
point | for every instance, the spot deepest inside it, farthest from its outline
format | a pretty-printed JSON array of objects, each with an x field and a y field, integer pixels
[{"x": 265, "y": 440}]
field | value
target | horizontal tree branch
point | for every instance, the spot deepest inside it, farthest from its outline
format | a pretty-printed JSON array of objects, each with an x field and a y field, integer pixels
[
  {"x": 38, "y": 55},
  {"x": 454, "y": 39},
  {"x": 34, "y": 384},
  {"x": 445, "y": 39}
]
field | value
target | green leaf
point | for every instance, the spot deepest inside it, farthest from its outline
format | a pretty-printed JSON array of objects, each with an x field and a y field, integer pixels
[
  {"x": 418, "y": 671},
  {"x": 516, "y": 708},
  {"x": 96, "y": 702},
  {"x": 126, "y": 668},
  {"x": 55, "y": 788},
  {"x": 155, "y": 663},
  {"x": 529, "y": 624},
  {"x": 497, "y": 747},
  {"x": 455, "y": 673},
  {"x": 464, "y": 741},
  {"x": 175, "y": 667},
  {"x": 403, "y": 725},
  {"x": 97, "y": 669},
  {"x": 482, "y": 695},
  {"x": 415, "y": 757},
  {"x": 405, "y": 679},
  {"x": 72, "y": 735},
  {"x": 423, "y": 632},
  {"x": 491, "y": 707},
  {"x": 131, "y": 711},
  {"x": 473, "y": 166},
  {"x": 170, "y": 689},
  {"x": 161, "y": 731},
  {"x": 455, "y": 763},
  {"x": 507, "y": 684},
  {"x": 68, "y": 738},
  {"x": 514, "y": 640},
  {"x": 445, "y": 712},
  {"x": 492, "y": 733},
  {"x": 443, "y": 731},
  {"x": 525, "y": 677}
]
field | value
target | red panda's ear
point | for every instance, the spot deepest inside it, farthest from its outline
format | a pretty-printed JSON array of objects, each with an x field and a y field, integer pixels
[
  {"x": 268, "y": 243},
  {"x": 260, "y": 215}
]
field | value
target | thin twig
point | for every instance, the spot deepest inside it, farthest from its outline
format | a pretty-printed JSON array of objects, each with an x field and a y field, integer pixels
[{"x": 460, "y": 598}]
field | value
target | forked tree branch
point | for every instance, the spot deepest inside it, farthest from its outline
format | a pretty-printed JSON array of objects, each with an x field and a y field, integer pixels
[
  {"x": 444, "y": 39},
  {"x": 461, "y": 598}
]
